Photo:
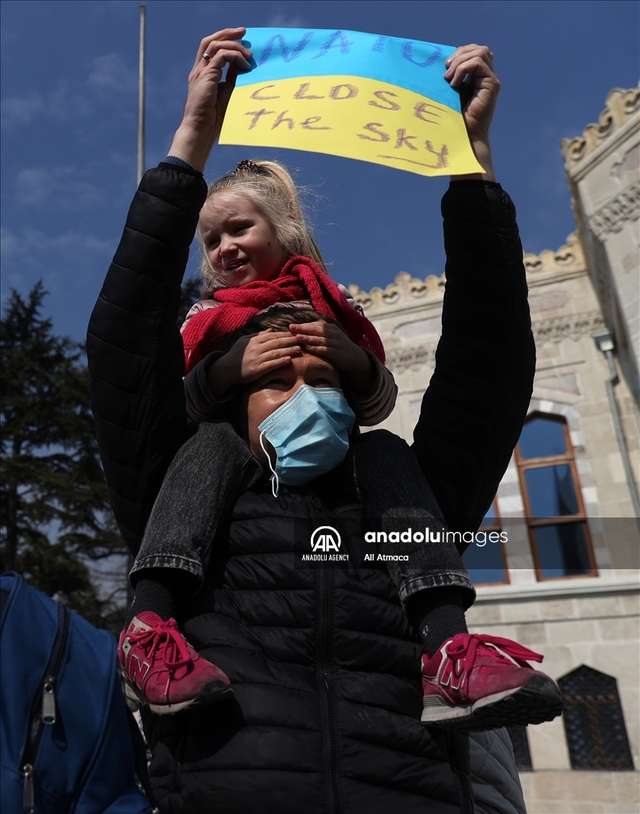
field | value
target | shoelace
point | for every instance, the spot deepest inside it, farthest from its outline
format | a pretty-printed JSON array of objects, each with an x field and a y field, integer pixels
[
  {"x": 464, "y": 646},
  {"x": 166, "y": 640}
]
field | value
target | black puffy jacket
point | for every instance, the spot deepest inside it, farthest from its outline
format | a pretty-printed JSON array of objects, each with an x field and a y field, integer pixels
[{"x": 325, "y": 716}]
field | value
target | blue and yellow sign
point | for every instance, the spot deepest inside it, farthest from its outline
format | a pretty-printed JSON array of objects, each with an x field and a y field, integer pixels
[{"x": 366, "y": 96}]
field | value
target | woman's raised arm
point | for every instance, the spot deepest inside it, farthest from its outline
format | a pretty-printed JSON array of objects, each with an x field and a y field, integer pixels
[
  {"x": 133, "y": 345},
  {"x": 472, "y": 412},
  {"x": 208, "y": 97}
]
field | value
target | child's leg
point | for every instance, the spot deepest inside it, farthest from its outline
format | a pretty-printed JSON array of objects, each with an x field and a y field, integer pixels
[
  {"x": 469, "y": 682},
  {"x": 159, "y": 666},
  {"x": 434, "y": 585},
  {"x": 201, "y": 485},
  {"x": 159, "y": 590},
  {"x": 437, "y": 615}
]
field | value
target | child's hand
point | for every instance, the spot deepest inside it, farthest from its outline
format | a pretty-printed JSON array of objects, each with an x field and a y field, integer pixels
[
  {"x": 328, "y": 341},
  {"x": 251, "y": 357}
]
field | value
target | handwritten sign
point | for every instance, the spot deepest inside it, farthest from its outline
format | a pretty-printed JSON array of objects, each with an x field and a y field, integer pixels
[{"x": 365, "y": 96}]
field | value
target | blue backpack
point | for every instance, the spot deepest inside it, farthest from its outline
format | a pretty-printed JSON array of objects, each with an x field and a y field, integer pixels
[{"x": 68, "y": 743}]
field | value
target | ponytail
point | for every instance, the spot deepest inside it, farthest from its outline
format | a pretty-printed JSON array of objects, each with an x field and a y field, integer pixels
[{"x": 273, "y": 191}]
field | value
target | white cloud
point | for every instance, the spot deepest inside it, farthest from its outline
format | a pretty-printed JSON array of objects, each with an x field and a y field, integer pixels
[
  {"x": 32, "y": 246},
  {"x": 69, "y": 100},
  {"x": 8, "y": 243},
  {"x": 283, "y": 19},
  {"x": 63, "y": 185},
  {"x": 110, "y": 71},
  {"x": 20, "y": 110}
]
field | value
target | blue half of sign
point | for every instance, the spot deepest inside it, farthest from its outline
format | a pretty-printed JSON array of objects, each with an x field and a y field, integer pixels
[{"x": 286, "y": 53}]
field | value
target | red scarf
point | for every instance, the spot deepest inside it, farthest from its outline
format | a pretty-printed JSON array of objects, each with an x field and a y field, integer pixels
[{"x": 301, "y": 278}]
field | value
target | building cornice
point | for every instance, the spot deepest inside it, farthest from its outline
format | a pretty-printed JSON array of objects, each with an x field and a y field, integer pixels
[
  {"x": 569, "y": 257},
  {"x": 404, "y": 292},
  {"x": 571, "y": 588},
  {"x": 407, "y": 293},
  {"x": 620, "y": 106}
]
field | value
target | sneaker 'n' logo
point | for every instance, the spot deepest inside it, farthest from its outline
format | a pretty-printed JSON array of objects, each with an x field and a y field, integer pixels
[
  {"x": 140, "y": 669},
  {"x": 446, "y": 671}
]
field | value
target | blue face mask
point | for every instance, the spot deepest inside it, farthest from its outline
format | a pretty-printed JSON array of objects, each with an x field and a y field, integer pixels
[{"x": 309, "y": 433}]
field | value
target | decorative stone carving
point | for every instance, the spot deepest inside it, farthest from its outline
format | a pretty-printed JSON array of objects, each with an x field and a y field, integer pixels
[
  {"x": 571, "y": 326},
  {"x": 411, "y": 356},
  {"x": 613, "y": 215},
  {"x": 568, "y": 257},
  {"x": 554, "y": 329},
  {"x": 405, "y": 290},
  {"x": 620, "y": 106}
]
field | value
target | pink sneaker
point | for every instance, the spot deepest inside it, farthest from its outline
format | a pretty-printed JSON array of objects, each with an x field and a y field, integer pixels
[
  {"x": 475, "y": 681},
  {"x": 162, "y": 670}
]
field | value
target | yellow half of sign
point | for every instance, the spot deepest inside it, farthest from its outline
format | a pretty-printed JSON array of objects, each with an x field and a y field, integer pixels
[{"x": 353, "y": 117}]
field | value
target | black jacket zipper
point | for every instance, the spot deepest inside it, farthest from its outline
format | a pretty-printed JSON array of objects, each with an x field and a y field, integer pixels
[
  {"x": 325, "y": 610},
  {"x": 43, "y": 710}
]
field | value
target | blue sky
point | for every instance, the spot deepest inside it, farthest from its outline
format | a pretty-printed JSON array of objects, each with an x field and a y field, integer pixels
[{"x": 69, "y": 107}]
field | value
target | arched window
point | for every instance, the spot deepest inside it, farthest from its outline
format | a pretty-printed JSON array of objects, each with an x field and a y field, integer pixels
[
  {"x": 486, "y": 559},
  {"x": 593, "y": 721},
  {"x": 520, "y": 743},
  {"x": 553, "y": 502}
]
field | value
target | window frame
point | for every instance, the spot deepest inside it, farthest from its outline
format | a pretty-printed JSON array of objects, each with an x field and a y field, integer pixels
[
  {"x": 567, "y": 458},
  {"x": 594, "y": 705},
  {"x": 496, "y": 525}
]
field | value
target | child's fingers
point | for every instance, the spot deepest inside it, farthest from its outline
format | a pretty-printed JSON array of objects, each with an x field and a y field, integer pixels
[
  {"x": 255, "y": 372},
  {"x": 283, "y": 341},
  {"x": 273, "y": 364},
  {"x": 267, "y": 333},
  {"x": 308, "y": 340},
  {"x": 269, "y": 336},
  {"x": 266, "y": 351},
  {"x": 278, "y": 353},
  {"x": 317, "y": 328},
  {"x": 318, "y": 348}
]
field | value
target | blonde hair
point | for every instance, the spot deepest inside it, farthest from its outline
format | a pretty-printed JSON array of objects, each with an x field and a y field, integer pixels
[{"x": 273, "y": 191}]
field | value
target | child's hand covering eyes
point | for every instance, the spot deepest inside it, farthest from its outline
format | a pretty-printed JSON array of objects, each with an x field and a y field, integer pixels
[
  {"x": 251, "y": 358},
  {"x": 328, "y": 341}
]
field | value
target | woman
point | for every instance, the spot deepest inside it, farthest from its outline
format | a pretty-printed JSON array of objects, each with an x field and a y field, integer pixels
[{"x": 323, "y": 663}]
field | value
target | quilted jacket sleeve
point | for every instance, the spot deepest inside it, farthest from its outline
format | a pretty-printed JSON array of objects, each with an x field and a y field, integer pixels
[
  {"x": 134, "y": 347},
  {"x": 473, "y": 410}
]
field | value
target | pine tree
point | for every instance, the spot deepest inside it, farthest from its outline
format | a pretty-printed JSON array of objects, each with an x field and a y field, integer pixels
[{"x": 55, "y": 522}]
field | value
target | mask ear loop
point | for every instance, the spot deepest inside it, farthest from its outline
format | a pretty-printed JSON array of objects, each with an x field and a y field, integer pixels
[{"x": 275, "y": 484}]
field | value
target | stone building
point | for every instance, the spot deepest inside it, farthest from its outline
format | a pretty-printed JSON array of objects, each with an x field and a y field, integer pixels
[{"x": 567, "y": 583}]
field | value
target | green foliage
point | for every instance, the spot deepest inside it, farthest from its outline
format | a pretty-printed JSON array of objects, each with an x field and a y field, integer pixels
[{"x": 54, "y": 512}]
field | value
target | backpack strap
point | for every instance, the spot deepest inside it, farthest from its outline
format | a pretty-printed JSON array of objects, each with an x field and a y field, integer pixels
[{"x": 140, "y": 757}]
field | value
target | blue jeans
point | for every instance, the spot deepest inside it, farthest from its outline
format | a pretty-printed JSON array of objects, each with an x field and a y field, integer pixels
[
  {"x": 215, "y": 465},
  {"x": 197, "y": 495}
]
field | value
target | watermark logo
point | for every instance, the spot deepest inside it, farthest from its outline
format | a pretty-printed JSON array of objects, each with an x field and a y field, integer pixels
[
  {"x": 478, "y": 538},
  {"x": 325, "y": 539},
  {"x": 325, "y": 542}
]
